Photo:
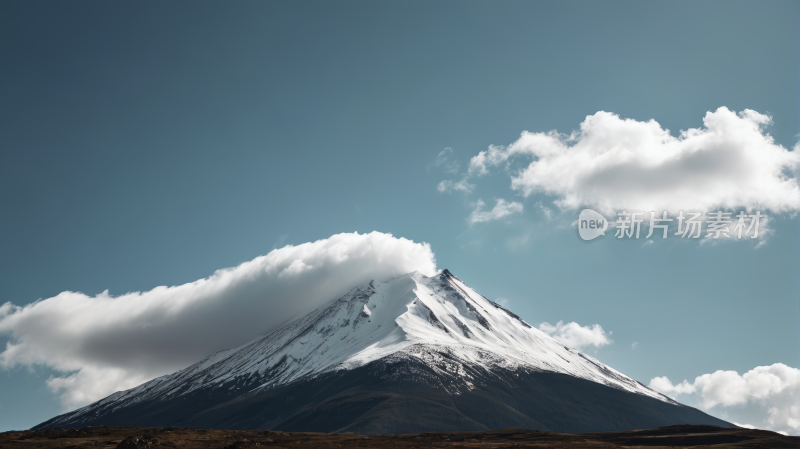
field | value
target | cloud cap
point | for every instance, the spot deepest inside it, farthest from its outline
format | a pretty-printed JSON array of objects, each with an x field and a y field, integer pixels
[{"x": 111, "y": 343}]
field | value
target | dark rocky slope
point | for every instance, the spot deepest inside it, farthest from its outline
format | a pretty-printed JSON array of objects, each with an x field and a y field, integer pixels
[{"x": 406, "y": 396}]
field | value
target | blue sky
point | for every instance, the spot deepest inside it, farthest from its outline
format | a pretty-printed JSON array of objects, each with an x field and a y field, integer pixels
[{"x": 151, "y": 144}]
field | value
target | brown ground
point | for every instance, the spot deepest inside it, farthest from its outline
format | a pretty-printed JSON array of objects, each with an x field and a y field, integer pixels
[{"x": 175, "y": 437}]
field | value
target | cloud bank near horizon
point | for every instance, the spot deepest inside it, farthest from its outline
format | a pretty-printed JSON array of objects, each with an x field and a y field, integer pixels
[
  {"x": 612, "y": 164},
  {"x": 770, "y": 394},
  {"x": 107, "y": 343}
]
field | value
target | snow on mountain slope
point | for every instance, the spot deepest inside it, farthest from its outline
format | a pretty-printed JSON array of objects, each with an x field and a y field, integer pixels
[{"x": 410, "y": 316}]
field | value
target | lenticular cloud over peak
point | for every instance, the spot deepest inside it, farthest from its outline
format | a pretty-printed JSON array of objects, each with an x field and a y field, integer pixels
[{"x": 106, "y": 343}]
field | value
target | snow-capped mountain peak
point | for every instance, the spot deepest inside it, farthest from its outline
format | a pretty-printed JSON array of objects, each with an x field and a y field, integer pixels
[{"x": 437, "y": 320}]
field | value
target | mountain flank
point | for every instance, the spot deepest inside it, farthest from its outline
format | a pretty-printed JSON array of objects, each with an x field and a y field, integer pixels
[{"x": 414, "y": 354}]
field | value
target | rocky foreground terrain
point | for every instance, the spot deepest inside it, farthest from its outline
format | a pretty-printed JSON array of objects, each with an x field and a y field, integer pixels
[{"x": 176, "y": 437}]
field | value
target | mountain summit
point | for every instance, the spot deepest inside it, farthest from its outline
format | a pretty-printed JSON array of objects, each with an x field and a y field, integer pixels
[{"x": 413, "y": 354}]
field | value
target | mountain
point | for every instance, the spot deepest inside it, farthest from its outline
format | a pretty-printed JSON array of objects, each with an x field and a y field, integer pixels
[{"x": 410, "y": 355}]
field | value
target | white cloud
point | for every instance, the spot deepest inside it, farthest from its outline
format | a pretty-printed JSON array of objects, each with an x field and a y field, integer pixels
[
  {"x": 500, "y": 210},
  {"x": 443, "y": 161},
  {"x": 450, "y": 186},
  {"x": 663, "y": 385},
  {"x": 452, "y": 167},
  {"x": 577, "y": 336},
  {"x": 546, "y": 211},
  {"x": 614, "y": 163},
  {"x": 771, "y": 392},
  {"x": 494, "y": 156},
  {"x": 104, "y": 343}
]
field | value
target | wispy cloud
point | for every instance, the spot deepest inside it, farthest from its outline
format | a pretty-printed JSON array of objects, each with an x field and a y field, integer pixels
[
  {"x": 452, "y": 186},
  {"x": 500, "y": 210},
  {"x": 446, "y": 162},
  {"x": 546, "y": 211}
]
